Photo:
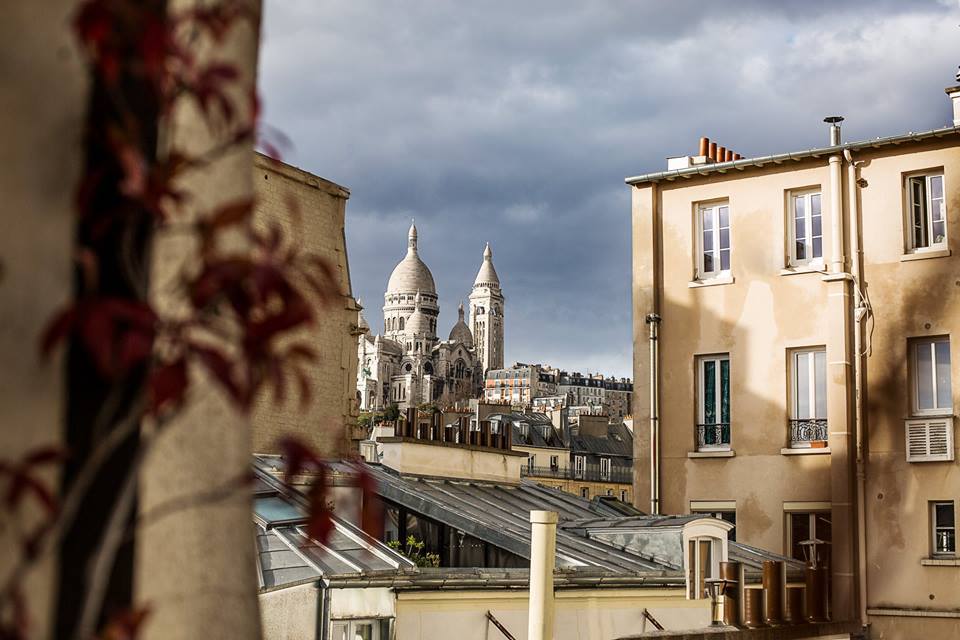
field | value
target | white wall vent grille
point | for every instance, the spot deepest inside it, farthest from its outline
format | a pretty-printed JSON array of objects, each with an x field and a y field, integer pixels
[{"x": 929, "y": 439}]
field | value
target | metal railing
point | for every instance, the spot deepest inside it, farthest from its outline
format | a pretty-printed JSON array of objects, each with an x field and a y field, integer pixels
[
  {"x": 713, "y": 435},
  {"x": 591, "y": 473},
  {"x": 808, "y": 430}
]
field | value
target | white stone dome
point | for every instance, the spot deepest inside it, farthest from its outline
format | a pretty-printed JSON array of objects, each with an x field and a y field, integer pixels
[
  {"x": 487, "y": 276},
  {"x": 418, "y": 323},
  {"x": 411, "y": 274},
  {"x": 461, "y": 332}
]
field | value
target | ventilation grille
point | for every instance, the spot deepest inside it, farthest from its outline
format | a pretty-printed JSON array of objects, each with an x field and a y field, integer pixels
[{"x": 929, "y": 440}]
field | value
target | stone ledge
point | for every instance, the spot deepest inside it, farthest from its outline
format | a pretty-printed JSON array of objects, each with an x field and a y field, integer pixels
[
  {"x": 940, "y": 562},
  {"x": 805, "y": 451},
  {"x": 914, "y": 613},
  {"x": 720, "y": 453}
]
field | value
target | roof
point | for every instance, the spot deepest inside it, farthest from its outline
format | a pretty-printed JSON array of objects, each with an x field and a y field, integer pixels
[
  {"x": 286, "y": 556},
  {"x": 461, "y": 332},
  {"x": 411, "y": 274},
  {"x": 619, "y": 442},
  {"x": 487, "y": 275},
  {"x": 543, "y": 435},
  {"x": 760, "y": 161},
  {"x": 500, "y": 515},
  {"x": 418, "y": 323}
]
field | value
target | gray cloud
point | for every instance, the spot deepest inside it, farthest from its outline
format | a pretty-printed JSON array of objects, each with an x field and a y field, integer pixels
[{"x": 517, "y": 122}]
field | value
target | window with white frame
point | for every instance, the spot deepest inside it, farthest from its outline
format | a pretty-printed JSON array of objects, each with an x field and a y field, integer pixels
[
  {"x": 605, "y": 468},
  {"x": 808, "y": 404},
  {"x": 579, "y": 464},
  {"x": 623, "y": 495},
  {"x": 944, "y": 528},
  {"x": 377, "y": 629},
  {"x": 926, "y": 212},
  {"x": 713, "y": 406},
  {"x": 713, "y": 240},
  {"x": 806, "y": 228},
  {"x": 930, "y": 372},
  {"x": 727, "y": 515},
  {"x": 554, "y": 462},
  {"x": 532, "y": 462}
]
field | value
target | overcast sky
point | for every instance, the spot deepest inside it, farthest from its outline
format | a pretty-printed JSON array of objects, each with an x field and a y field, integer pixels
[{"x": 516, "y": 123}]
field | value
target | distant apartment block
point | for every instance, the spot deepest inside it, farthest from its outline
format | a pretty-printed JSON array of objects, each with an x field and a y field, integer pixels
[{"x": 523, "y": 384}]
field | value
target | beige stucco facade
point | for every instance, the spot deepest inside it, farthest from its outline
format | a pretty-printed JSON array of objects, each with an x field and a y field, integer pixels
[
  {"x": 759, "y": 315},
  {"x": 310, "y": 210}
]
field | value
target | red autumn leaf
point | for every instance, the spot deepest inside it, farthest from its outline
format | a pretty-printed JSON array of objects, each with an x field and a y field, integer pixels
[
  {"x": 209, "y": 89},
  {"x": 298, "y": 457},
  {"x": 167, "y": 385},
  {"x": 45, "y": 455},
  {"x": 57, "y": 329},
  {"x": 221, "y": 369},
  {"x": 124, "y": 625},
  {"x": 231, "y": 213},
  {"x": 105, "y": 325}
]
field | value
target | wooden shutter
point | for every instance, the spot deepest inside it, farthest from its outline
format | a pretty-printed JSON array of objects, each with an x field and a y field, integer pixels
[{"x": 929, "y": 440}]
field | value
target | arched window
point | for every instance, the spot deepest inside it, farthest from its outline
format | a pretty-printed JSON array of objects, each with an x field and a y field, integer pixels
[
  {"x": 459, "y": 369},
  {"x": 401, "y": 323}
]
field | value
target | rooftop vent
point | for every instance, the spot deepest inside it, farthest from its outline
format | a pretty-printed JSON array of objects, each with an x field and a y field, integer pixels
[
  {"x": 708, "y": 152},
  {"x": 834, "y": 122}
]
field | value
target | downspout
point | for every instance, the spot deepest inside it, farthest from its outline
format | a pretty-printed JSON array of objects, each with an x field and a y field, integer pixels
[
  {"x": 860, "y": 312},
  {"x": 653, "y": 321},
  {"x": 323, "y": 610}
]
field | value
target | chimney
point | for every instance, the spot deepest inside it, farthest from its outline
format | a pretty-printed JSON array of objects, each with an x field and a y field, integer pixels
[
  {"x": 705, "y": 145},
  {"x": 834, "y": 122},
  {"x": 712, "y": 151},
  {"x": 954, "y": 93},
  {"x": 721, "y": 154}
]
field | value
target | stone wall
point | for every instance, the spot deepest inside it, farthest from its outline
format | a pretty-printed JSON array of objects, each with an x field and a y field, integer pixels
[{"x": 310, "y": 211}]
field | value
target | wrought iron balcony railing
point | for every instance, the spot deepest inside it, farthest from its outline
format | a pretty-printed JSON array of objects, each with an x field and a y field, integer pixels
[
  {"x": 592, "y": 473},
  {"x": 713, "y": 436},
  {"x": 807, "y": 430}
]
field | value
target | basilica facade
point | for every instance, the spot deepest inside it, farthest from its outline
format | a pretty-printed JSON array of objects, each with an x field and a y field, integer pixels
[{"x": 408, "y": 364}]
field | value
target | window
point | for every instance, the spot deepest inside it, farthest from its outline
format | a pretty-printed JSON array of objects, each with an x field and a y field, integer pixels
[
  {"x": 926, "y": 212},
  {"x": 584, "y": 492},
  {"x": 802, "y": 526},
  {"x": 930, "y": 362},
  {"x": 623, "y": 495},
  {"x": 579, "y": 464},
  {"x": 713, "y": 427},
  {"x": 713, "y": 233},
  {"x": 944, "y": 528},
  {"x": 805, "y": 226},
  {"x": 532, "y": 462},
  {"x": 361, "y": 630},
  {"x": 605, "y": 468},
  {"x": 808, "y": 406},
  {"x": 554, "y": 462},
  {"x": 700, "y": 566}
]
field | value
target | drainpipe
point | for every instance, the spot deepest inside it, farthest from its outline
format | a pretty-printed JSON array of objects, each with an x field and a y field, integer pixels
[
  {"x": 543, "y": 548},
  {"x": 860, "y": 312},
  {"x": 653, "y": 321},
  {"x": 836, "y": 198}
]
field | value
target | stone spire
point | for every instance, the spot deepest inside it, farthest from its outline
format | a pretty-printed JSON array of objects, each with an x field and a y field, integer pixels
[{"x": 487, "y": 275}]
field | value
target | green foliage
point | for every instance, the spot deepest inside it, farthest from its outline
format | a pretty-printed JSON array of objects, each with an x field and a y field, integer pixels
[
  {"x": 413, "y": 549},
  {"x": 391, "y": 413}
]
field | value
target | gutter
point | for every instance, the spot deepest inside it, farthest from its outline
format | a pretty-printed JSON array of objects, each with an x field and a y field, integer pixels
[{"x": 796, "y": 156}]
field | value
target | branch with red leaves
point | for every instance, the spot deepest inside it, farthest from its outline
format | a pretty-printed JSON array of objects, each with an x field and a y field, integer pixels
[{"x": 245, "y": 306}]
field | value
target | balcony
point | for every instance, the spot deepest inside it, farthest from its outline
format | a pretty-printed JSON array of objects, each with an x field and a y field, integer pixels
[
  {"x": 713, "y": 436},
  {"x": 592, "y": 473},
  {"x": 807, "y": 431}
]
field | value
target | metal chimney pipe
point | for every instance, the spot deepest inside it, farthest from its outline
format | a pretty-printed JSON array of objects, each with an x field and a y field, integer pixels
[
  {"x": 729, "y": 156},
  {"x": 712, "y": 151},
  {"x": 543, "y": 551},
  {"x": 834, "y": 122},
  {"x": 721, "y": 154},
  {"x": 704, "y": 146},
  {"x": 737, "y": 156}
]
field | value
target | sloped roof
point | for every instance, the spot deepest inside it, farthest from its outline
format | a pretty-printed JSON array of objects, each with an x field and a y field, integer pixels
[{"x": 500, "y": 515}]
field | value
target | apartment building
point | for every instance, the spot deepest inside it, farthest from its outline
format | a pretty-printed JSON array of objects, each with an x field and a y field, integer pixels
[
  {"x": 795, "y": 317},
  {"x": 520, "y": 384},
  {"x": 595, "y": 390}
]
